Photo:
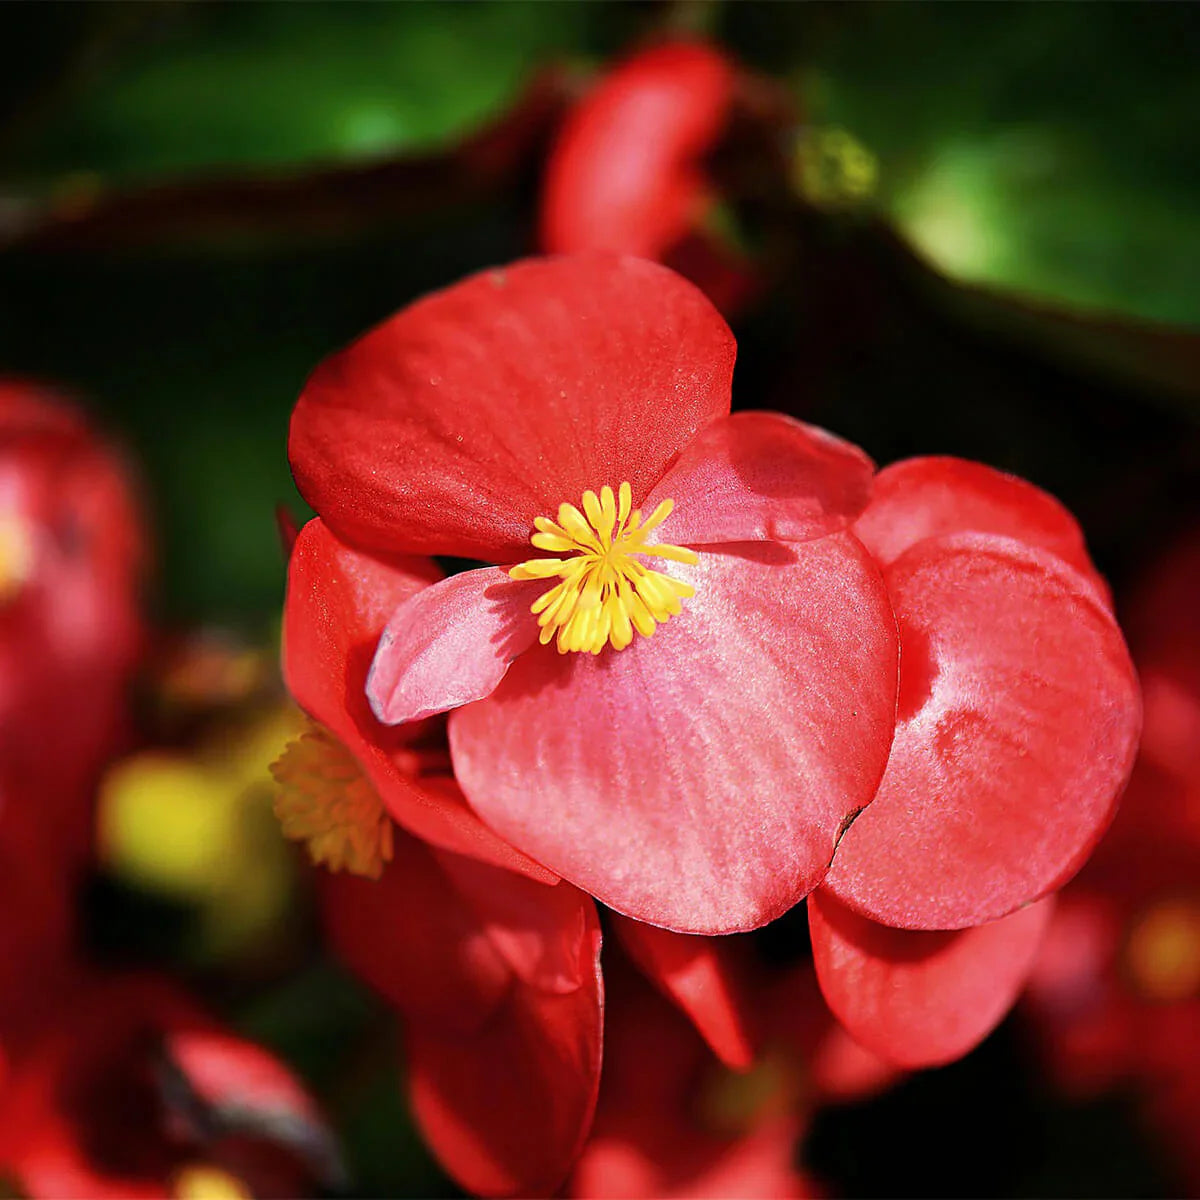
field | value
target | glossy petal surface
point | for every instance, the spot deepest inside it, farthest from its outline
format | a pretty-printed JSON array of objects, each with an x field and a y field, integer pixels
[
  {"x": 450, "y": 644},
  {"x": 759, "y": 476},
  {"x": 919, "y": 998},
  {"x": 450, "y": 427},
  {"x": 667, "y": 779},
  {"x": 921, "y": 498},
  {"x": 1017, "y": 724}
]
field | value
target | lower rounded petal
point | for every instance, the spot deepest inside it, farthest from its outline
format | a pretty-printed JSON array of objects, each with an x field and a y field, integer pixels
[
  {"x": 698, "y": 779},
  {"x": 1017, "y": 726},
  {"x": 921, "y": 999}
]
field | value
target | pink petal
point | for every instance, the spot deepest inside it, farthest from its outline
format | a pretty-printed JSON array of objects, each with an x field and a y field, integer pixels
[
  {"x": 759, "y": 476},
  {"x": 921, "y": 498},
  {"x": 921, "y": 999},
  {"x": 1017, "y": 725},
  {"x": 451, "y": 426},
  {"x": 698, "y": 778},
  {"x": 450, "y": 644},
  {"x": 700, "y": 976},
  {"x": 507, "y": 1108}
]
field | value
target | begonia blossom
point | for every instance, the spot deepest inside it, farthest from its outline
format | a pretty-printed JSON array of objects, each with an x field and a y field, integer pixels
[{"x": 680, "y": 681}]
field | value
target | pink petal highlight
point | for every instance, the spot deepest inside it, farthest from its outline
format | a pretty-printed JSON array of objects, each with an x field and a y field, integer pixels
[
  {"x": 450, "y": 644},
  {"x": 759, "y": 476}
]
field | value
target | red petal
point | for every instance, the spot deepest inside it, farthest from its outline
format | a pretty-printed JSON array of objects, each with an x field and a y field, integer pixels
[
  {"x": 338, "y": 601},
  {"x": 451, "y": 643},
  {"x": 921, "y": 498},
  {"x": 921, "y": 999},
  {"x": 760, "y": 476},
  {"x": 698, "y": 778},
  {"x": 450, "y": 427},
  {"x": 699, "y": 975},
  {"x": 624, "y": 174},
  {"x": 506, "y": 1108},
  {"x": 413, "y": 937},
  {"x": 1017, "y": 726}
]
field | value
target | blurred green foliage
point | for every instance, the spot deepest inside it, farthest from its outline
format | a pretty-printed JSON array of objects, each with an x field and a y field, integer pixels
[
  {"x": 272, "y": 85},
  {"x": 1046, "y": 148}
]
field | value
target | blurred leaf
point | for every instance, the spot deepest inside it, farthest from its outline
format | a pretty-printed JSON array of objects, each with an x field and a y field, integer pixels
[
  {"x": 1048, "y": 149},
  {"x": 254, "y": 85}
]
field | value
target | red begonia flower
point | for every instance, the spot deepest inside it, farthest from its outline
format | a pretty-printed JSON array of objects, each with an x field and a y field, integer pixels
[
  {"x": 71, "y": 558},
  {"x": 701, "y": 975},
  {"x": 338, "y": 601},
  {"x": 469, "y": 421},
  {"x": 626, "y": 172},
  {"x": 498, "y": 980},
  {"x": 128, "y": 1090},
  {"x": 920, "y": 998},
  {"x": 673, "y": 1123},
  {"x": 1018, "y": 712}
]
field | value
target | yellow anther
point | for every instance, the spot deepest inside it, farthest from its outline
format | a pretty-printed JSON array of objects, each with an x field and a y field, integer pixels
[
  {"x": 326, "y": 801},
  {"x": 604, "y": 592}
]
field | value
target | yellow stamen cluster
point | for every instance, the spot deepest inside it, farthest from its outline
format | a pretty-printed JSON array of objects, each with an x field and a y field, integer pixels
[
  {"x": 326, "y": 801},
  {"x": 605, "y": 593}
]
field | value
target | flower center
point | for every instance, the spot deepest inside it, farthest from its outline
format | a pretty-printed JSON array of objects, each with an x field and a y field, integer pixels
[
  {"x": 604, "y": 592},
  {"x": 1163, "y": 952},
  {"x": 199, "y": 1181},
  {"x": 326, "y": 801}
]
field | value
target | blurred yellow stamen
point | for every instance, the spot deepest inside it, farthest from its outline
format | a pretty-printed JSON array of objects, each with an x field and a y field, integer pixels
[
  {"x": 604, "y": 594},
  {"x": 16, "y": 555},
  {"x": 199, "y": 1181},
  {"x": 1163, "y": 953},
  {"x": 326, "y": 801}
]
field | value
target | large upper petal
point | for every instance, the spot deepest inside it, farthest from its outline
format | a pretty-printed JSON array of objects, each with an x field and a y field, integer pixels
[
  {"x": 1017, "y": 725},
  {"x": 920, "y": 998},
  {"x": 698, "y": 778},
  {"x": 339, "y": 600},
  {"x": 451, "y": 426},
  {"x": 762, "y": 476}
]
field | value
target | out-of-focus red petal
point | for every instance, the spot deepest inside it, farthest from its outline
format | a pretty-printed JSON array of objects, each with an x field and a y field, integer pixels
[
  {"x": 338, "y": 602},
  {"x": 450, "y": 427},
  {"x": 761, "y": 476},
  {"x": 507, "y": 1107},
  {"x": 666, "y": 1126},
  {"x": 624, "y": 174},
  {"x": 451, "y": 643},
  {"x": 701, "y": 976},
  {"x": 921, "y": 498},
  {"x": 921, "y": 998},
  {"x": 413, "y": 938},
  {"x": 1017, "y": 724},
  {"x": 668, "y": 779}
]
